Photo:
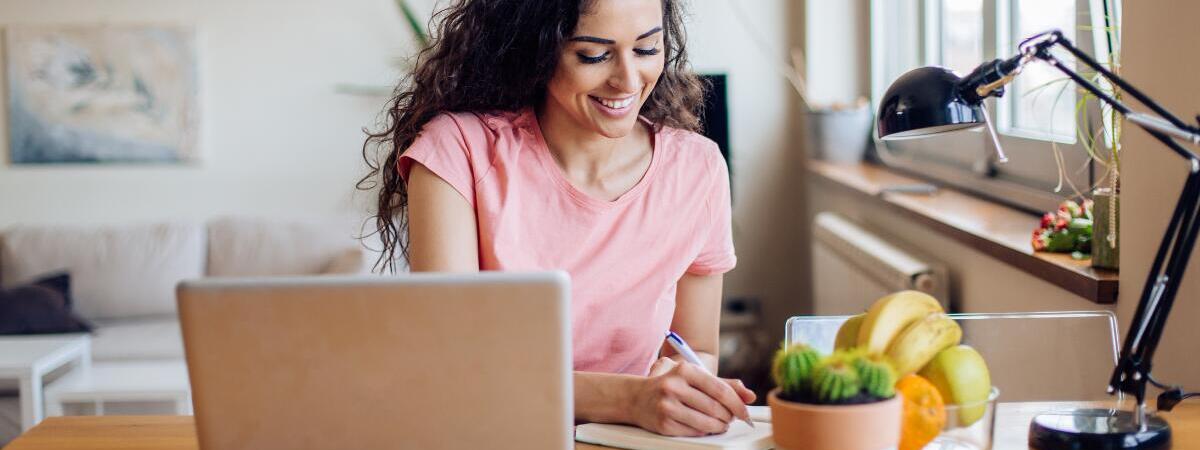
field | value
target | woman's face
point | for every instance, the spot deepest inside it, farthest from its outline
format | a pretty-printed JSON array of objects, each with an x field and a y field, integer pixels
[{"x": 608, "y": 68}]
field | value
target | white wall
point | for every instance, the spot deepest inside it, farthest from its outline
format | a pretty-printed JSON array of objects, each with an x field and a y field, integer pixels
[
  {"x": 837, "y": 44},
  {"x": 277, "y": 140},
  {"x": 768, "y": 219},
  {"x": 1152, "y": 176}
]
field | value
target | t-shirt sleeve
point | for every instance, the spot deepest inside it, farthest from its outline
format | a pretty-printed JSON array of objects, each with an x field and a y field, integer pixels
[
  {"x": 717, "y": 255},
  {"x": 451, "y": 150}
]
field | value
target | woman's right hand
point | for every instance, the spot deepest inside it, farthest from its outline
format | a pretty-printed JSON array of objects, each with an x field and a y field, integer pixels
[{"x": 685, "y": 400}]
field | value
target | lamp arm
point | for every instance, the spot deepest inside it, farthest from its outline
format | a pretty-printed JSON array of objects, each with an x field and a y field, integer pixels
[
  {"x": 1056, "y": 37},
  {"x": 1133, "y": 369}
]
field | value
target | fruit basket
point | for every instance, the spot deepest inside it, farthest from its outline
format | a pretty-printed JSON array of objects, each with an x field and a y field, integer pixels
[
  {"x": 1021, "y": 364},
  {"x": 969, "y": 426},
  {"x": 944, "y": 386}
]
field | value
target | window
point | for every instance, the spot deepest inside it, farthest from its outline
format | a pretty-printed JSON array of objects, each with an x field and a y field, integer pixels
[
  {"x": 960, "y": 34},
  {"x": 1036, "y": 118},
  {"x": 1041, "y": 102}
]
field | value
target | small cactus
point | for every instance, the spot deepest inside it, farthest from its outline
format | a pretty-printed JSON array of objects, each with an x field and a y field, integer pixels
[
  {"x": 877, "y": 376},
  {"x": 845, "y": 377},
  {"x": 835, "y": 380},
  {"x": 793, "y": 367}
]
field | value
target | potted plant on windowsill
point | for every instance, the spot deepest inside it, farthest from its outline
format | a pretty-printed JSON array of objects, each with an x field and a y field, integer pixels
[
  {"x": 1101, "y": 138},
  {"x": 846, "y": 400},
  {"x": 1106, "y": 195}
]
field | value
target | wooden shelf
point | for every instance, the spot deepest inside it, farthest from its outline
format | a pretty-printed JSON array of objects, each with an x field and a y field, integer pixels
[{"x": 993, "y": 229}]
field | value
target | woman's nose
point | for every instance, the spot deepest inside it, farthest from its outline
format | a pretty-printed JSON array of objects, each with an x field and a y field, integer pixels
[{"x": 625, "y": 75}]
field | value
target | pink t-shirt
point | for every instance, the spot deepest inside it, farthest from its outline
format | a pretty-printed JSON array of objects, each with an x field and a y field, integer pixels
[{"x": 624, "y": 257}]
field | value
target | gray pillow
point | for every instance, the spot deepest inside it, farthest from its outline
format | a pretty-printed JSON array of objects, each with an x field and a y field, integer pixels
[{"x": 41, "y": 307}]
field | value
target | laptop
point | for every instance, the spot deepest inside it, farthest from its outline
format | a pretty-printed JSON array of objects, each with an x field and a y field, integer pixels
[{"x": 425, "y": 361}]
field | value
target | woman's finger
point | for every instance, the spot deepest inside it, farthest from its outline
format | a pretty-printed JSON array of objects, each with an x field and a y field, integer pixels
[
  {"x": 661, "y": 366},
  {"x": 696, "y": 420},
  {"x": 673, "y": 427},
  {"x": 716, "y": 388},
  {"x": 742, "y": 391},
  {"x": 699, "y": 401}
]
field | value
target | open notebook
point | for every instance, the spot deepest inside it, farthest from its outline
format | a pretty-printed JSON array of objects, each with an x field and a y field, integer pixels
[{"x": 739, "y": 437}]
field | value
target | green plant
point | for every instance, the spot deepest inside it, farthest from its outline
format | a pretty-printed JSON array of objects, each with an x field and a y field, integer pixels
[
  {"x": 413, "y": 23},
  {"x": 1066, "y": 230},
  {"x": 793, "y": 368},
  {"x": 877, "y": 375},
  {"x": 846, "y": 376},
  {"x": 835, "y": 381},
  {"x": 404, "y": 63},
  {"x": 1104, "y": 150}
]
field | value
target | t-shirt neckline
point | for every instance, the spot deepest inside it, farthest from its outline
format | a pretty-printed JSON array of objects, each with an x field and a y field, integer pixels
[{"x": 547, "y": 162}]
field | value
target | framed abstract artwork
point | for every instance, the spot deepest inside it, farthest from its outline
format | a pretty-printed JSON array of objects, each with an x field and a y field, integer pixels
[{"x": 101, "y": 94}]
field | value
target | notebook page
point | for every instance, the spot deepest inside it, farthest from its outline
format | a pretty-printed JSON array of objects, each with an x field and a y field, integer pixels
[
  {"x": 739, "y": 437},
  {"x": 760, "y": 413}
]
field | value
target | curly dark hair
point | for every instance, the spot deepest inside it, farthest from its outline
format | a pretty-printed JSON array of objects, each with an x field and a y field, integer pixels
[{"x": 493, "y": 56}]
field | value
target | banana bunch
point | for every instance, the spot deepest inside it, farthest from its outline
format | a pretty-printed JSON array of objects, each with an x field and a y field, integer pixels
[{"x": 909, "y": 327}]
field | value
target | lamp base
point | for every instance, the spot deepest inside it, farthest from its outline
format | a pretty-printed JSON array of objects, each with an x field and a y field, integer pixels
[{"x": 1097, "y": 429}]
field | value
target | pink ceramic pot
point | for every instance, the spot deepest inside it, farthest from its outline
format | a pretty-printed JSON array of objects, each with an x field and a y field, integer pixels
[{"x": 803, "y": 426}]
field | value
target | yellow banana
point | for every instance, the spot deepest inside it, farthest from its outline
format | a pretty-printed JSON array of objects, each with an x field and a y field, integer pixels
[
  {"x": 921, "y": 341},
  {"x": 847, "y": 335},
  {"x": 890, "y": 315}
]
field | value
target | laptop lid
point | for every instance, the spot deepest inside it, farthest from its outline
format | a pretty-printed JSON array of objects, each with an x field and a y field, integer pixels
[{"x": 422, "y": 361}]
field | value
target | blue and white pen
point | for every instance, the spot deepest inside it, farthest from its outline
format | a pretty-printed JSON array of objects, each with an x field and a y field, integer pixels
[{"x": 684, "y": 349}]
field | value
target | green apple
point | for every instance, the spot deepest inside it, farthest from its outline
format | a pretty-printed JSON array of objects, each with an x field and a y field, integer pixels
[{"x": 961, "y": 376}]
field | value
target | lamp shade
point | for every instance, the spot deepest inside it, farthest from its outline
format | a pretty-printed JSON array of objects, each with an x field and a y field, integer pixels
[{"x": 924, "y": 102}]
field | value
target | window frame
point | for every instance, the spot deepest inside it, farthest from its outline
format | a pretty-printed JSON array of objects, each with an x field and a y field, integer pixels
[{"x": 967, "y": 160}]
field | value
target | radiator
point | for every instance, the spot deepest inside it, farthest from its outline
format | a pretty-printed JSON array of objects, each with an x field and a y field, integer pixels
[{"x": 852, "y": 267}]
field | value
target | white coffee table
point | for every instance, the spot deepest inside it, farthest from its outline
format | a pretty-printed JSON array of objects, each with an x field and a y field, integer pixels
[
  {"x": 123, "y": 387},
  {"x": 28, "y": 358}
]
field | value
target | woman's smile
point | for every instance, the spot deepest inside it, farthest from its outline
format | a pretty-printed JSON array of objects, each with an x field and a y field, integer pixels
[{"x": 615, "y": 107}]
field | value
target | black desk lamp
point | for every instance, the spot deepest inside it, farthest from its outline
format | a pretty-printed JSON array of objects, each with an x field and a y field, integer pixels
[{"x": 932, "y": 100}]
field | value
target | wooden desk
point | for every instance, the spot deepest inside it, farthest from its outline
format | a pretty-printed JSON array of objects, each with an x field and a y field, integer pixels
[{"x": 179, "y": 432}]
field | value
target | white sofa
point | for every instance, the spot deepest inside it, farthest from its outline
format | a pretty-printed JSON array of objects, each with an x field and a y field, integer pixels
[{"x": 123, "y": 277}]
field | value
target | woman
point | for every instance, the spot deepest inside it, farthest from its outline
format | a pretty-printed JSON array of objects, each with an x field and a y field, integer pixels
[{"x": 517, "y": 145}]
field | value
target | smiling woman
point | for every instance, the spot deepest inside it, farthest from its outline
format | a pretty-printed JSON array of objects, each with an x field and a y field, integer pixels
[{"x": 561, "y": 135}]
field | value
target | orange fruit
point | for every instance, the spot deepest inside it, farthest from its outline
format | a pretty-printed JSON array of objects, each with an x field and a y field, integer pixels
[{"x": 924, "y": 412}]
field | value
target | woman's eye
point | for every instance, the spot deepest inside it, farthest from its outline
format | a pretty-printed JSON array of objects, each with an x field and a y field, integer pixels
[
  {"x": 647, "y": 51},
  {"x": 586, "y": 59}
]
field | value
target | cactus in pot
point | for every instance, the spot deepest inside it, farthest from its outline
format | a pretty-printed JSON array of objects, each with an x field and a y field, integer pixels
[
  {"x": 793, "y": 368},
  {"x": 823, "y": 402},
  {"x": 877, "y": 375},
  {"x": 835, "y": 381},
  {"x": 844, "y": 377}
]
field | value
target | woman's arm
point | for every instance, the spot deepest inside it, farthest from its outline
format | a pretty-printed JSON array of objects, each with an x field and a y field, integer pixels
[
  {"x": 441, "y": 225},
  {"x": 698, "y": 316},
  {"x": 679, "y": 399}
]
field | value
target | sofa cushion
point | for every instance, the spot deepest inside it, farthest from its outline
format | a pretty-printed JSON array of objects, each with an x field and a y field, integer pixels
[
  {"x": 41, "y": 307},
  {"x": 116, "y": 271},
  {"x": 137, "y": 339},
  {"x": 266, "y": 247}
]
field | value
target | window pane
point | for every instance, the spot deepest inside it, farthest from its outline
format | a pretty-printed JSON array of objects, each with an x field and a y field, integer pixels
[
  {"x": 1044, "y": 99},
  {"x": 962, "y": 34},
  {"x": 898, "y": 44}
]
